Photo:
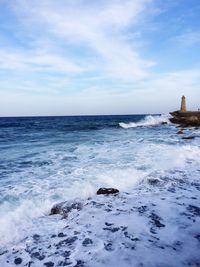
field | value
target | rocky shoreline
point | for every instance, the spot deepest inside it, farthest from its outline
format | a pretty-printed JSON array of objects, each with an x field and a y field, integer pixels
[
  {"x": 157, "y": 224},
  {"x": 186, "y": 119}
]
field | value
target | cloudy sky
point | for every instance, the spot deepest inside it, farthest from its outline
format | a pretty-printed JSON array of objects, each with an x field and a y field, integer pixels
[{"x": 65, "y": 57}]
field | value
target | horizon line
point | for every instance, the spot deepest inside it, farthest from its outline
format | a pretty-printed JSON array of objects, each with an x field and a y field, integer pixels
[{"x": 85, "y": 115}]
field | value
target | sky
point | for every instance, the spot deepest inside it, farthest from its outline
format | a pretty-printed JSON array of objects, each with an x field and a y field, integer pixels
[{"x": 88, "y": 57}]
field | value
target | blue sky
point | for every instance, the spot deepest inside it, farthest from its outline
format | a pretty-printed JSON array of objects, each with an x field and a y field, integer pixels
[{"x": 69, "y": 57}]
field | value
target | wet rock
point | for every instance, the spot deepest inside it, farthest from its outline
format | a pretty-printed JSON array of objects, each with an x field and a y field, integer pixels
[
  {"x": 180, "y": 132},
  {"x": 79, "y": 263},
  {"x": 108, "y": 224},
  {"x": 131, "y": 237},
  {"x": 18, "y": 261},
  {"x": 153, "y": 231},
  {"x": 107, "y": 191},
  {"x": 186, "y": 119},
  {"x": 108, "y": 210},
  {"x": 38, "y": 256},
  {"x": 68, "y": 241},
  {"x": 108, "y": 246},
  {"x": 142, "y": 209},
  {"x": 153, "y": 181},
  {"x": 164, "y": 123},
  {"x": 66, "y": 254},
  {"x": 188, "y": 137},
  {"x": 171, "y": 189},
  {"x": 87, "y": 241},
  {"x": 61, "y": 235},
  {"x": 53, "y": 236},
  {"x": 194, "y": 210},
  {"x": 113, "y": 230},
  {"x": 29, "y": 263},
  {"x": 36, "y": 237},
  {"x": 156, "y": 220},
  {"x": 64, "y": 208},
  {"x": 49, "y": 264},
  {"x": 3, "y": 252},
  {"x": 198, "y": 237}
]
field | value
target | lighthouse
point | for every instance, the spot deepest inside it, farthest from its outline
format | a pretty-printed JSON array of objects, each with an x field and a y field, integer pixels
[{"x": 183, "y": 104}]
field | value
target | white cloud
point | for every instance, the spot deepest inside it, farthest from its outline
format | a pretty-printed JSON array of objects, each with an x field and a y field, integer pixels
[
  {"x": 35, "y": 61},
  {"x": 159, "y": 94},
  {"x": 100, "y": 27},
  {"x": 187, "y": 39},
  {"x": 83, "y": 57}
]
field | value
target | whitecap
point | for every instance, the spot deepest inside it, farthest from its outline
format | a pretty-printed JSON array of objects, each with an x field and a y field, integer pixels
[{"x": 149, "y": 120}]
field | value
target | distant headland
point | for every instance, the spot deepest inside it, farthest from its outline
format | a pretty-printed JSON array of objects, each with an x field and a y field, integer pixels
[{"x": 185, "y": 118}]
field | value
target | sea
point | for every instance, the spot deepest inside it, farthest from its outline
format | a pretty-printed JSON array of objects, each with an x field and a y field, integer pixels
[{"x": 49, "y": 160}]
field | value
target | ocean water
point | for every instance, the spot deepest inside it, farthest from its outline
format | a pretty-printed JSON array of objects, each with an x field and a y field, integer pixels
[{"x": 47, "y": 160}]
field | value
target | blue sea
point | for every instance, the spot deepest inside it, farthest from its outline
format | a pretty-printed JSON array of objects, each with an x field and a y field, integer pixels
[{"x": 47, "y": 160}]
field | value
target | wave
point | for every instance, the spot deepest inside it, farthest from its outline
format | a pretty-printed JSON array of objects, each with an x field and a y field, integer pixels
[{"x": 149, "y": 120}]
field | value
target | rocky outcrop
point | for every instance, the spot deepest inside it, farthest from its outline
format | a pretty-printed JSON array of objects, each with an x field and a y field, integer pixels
[
  {"x": 180, "y": 132},
  {"x": 188, "y": 137},
  {"x": 65, "y": 207},
  {"x": 107, "y": 191},
  {"x": 186, "y": 119}
]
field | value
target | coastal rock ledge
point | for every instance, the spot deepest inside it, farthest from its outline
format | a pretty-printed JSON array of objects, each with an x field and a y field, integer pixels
[
  {"x": 186, "y": 119},
  {"x": 107, "y": 191},
  {"x": 64, "y": 208}
]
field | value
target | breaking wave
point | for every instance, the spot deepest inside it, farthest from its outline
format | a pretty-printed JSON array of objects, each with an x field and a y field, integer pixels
[{"x": 149, "y": 120}]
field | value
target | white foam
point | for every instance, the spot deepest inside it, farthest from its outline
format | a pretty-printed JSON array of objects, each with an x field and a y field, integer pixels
[
  {"x": 16, "y": 223},
  {"x": 122, "y": 179},
  {"x": 121, "y": 162},
  {"x": 147, "y": 121}
]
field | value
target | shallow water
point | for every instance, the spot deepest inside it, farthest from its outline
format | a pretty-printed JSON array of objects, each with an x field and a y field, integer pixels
[{"x": 45, "y": 160}]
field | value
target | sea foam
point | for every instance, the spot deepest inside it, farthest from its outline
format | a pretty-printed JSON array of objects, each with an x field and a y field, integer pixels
[
  {"x": 80, "y": 162},
  {"x": 147, "y": 121}
]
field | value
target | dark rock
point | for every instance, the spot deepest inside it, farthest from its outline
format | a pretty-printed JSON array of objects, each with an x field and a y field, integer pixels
[
  {"x": 131, "y": 237},
  {"x": 53, "y": 236},
  {"x": 113, "y": 230},
  {"x": 194, "y": 210},
  {"x": 123, "y": 228},
  {"x": 61, "y": 235},
  {"x": 153, "y": 231},
  {"x": 37, "y": 255},
  {"x": 79, "y": 263},
  {"x": 69, "y": 241},
  {"x": 186, "y": 119},
  {"x": 164, "y": 123},
  {"x": 108, "y": 210},
  {"x": 49, "y": 264},
  {"x": 108, "y": 224},
  {"x": 66, "y": 254},
  {"x": 87, "y": 241},
  {"x": 108, "y": 246},
  {"x": 18, "y": 261},
  {"x": 36, "y": 237},
  {"x": 153, "y": 181},
  {"x": 3, "y": 252},
  {"x": 188, "y": 137},
  {"x": 171, "y": 189},
  {"x": 142, "y": 209},
  {"x": 198, "y": 237},
  {"x": 64, "y": 208},
  {"x": 180, "y": 132},
  {"x": 107, "y": 191},
  {"x": 156, "y": 220}
]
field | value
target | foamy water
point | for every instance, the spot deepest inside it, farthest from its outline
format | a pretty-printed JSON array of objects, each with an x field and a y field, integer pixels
[
  {"x": 147, "y": 121},
  {"x": 58, "y": 161}
]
